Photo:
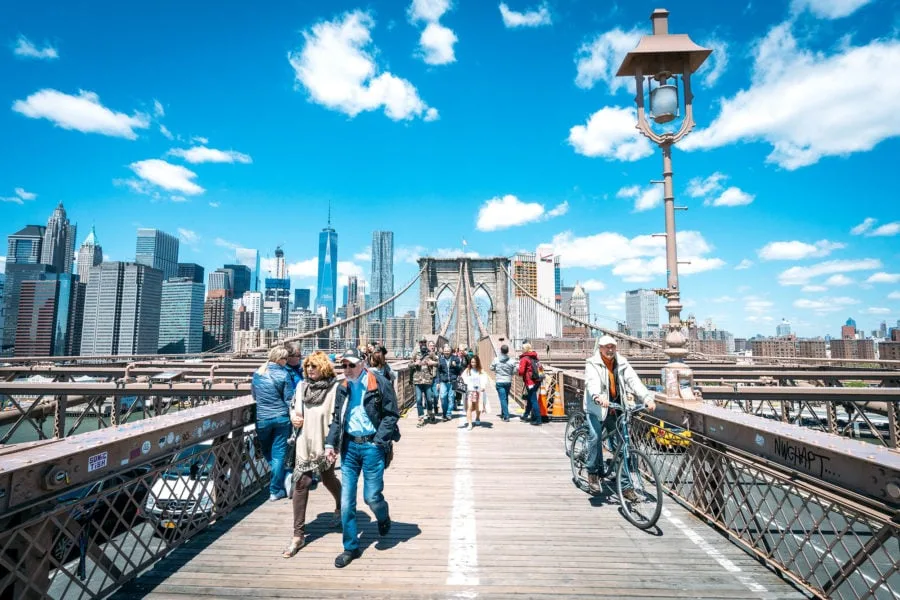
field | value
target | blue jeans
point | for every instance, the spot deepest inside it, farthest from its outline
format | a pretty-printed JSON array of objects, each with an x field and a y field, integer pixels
[
  {"x": 368, "y": 458},
  {"x": 533, "y": 406},
  {"x": 594, "y": 464},
  {"x": 503, "y": 394},
  {"x": 423, "y": 389},
  {"x": 273, "y": 435},
  {"x": 448, "y": 397}
]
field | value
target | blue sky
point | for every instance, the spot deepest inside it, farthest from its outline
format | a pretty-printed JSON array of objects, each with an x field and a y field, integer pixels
[{"x": 501, "y": 124}]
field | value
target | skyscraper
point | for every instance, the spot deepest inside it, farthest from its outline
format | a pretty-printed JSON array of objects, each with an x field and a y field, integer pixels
[
  {"x": 50, "y": 310},
  {"x": 121, "y": 310},
  {"x": 241, "y": 276},
  {"x": 279, "y": 291},
  {"x": 382, "y": 274},
  {"x": 181, "y": 317},
  {"x": 326, "y": 288},
  {"x": 537, "y": 272},
  {"x": 58, "y": 249},
  {"x": 192, "y": 271},
  {"x": 218, "y": 319},
  {"x": 301, "y": 298},
  {"x": 783, "y": 329},
  {"x": 23, "y": 262},
  {"x": 250, "y": 259},
  {"x": 159, "y": 250},
  {"x": 220, "y": 279},
  {"x": 280, "y": 267},
  {"x": 90, "y": 254},
  {"x": 642, "y": 312},
  {"x": 2, "y": 303}
]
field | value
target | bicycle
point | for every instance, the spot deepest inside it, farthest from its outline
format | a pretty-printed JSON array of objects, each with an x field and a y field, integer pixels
[
  {"x": 628, "y": 464},
  {"x": 575, "y": 423}
]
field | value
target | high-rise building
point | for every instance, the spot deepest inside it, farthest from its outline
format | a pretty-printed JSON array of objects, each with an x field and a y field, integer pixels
[
  {"x": 23, "y": 262},
  {"x": 159, "y": 250},
  {"x": 382, "y": 277},
  {"x": 24, "y": 246},
  {"x": 579, "y": 306},
  {"x": 121, "y": 310},
  {"x": 2, "y": 303},
  {"x": 50, "y": 313},
  {"x": 253, "y": 302},
  {"x": 280, "y": 267},
  {"x": 218, "y": 317},
  {"x": 848, "y": 330},
  {"x": 642, "y": 312},
  {"x": 58, "y": 249},
  {"x": 326, "y": 288},
  {"x": 301, "y": 299},
  {"x": 539, "y": 273},
  {"x": 250, "y": 259},
  {"x": 90, "y": 254},
  {"x": 220, "y": 279},
  {"x": 783, "y": 329},
  {"x": 279, "y": 291},
  {"x": 192, "y": 271},
  {"x": 241, "y": 277},
  {"x": 181, "y": 317},
  {"x": 400, "y": 334}
]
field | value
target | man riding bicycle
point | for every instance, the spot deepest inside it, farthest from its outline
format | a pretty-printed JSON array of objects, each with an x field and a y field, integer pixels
[{"x": 608, "y": 378}]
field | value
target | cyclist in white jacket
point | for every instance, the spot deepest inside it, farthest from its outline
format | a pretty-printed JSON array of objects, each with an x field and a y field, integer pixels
[{"x": 608, "y": 378}]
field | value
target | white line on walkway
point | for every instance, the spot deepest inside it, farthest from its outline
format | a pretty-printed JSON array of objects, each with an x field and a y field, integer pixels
[
  {"x": 713, "y": 553},
  {"x": 462, "y": 562}
]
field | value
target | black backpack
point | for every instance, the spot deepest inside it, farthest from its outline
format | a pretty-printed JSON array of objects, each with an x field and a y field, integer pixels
[{"x": 537, "y": 370}]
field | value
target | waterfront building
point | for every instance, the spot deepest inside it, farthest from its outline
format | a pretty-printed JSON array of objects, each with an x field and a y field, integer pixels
[
  {"x": 50, "y": 314},
  {"x": 181, "y": 317},
  {"x": 159, "y": 250}
]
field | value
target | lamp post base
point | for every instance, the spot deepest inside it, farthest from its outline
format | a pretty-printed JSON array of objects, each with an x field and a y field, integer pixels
[{"x": 678, "y": 382}]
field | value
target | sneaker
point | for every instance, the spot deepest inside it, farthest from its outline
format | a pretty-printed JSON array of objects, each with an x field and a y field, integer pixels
[
  {"x": 445, "y": 418},
  {"x": 630, "y": 495},
  {"x": 477, "y": 423},
  {"x": 421, "y": 422},
  {"x": 277, "y": 497},
  {"x": 346, "y": 557},
  {"x": 593, "y": 482},
  {"x": 469, "y": 427},
  {"x": 384, "y": 527}
]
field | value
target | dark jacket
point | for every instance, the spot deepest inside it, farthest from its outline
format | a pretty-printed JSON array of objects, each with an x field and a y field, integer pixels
[
  {"x": 525, "y": 366},
  {"x": 295, "y": 373},
  {"x": 380, "y": 404},
  {"x": 449, "y": 368}
]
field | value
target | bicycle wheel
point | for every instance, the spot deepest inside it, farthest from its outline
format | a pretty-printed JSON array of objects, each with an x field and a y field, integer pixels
[
  {"x": 578, "y": 458},
  {"x": 644, "y": 510},
  {"x": 575, "y": 422}
]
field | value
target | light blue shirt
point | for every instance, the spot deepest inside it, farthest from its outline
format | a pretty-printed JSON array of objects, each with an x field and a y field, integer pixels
[{"x": 358, "y": 422}]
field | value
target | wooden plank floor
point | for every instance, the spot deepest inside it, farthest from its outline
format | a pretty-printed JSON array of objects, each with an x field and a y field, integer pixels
[{"x": 488, "y": 513}]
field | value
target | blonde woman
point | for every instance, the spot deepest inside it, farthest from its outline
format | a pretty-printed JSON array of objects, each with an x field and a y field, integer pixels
[
  {"x": 272, "y": 389},
  {"x": 476, "y": 385},
  {"x": 313, "y": 411}
]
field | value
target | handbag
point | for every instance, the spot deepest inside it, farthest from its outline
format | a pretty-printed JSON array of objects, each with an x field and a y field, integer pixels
[{"x": 461, "y": 384}]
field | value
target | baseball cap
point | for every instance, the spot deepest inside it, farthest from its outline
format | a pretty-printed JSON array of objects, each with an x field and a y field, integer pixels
[
  {"x": 352, "y": 356},
  {"x": 606, "y": 340}
]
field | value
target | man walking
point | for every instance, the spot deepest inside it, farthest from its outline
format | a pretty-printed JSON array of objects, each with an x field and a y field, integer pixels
[
  {"x": 423, "y": 366},
  {"x": 503, "y": 368},
  {"x": 527, "y": 362},
  {"x": 293, "y": 366},
  {"x": 363, "y": 427},
  {"x": 449, "y": 368}
]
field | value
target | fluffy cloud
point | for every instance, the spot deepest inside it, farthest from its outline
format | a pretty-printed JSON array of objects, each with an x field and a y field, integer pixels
[
  {"x": 509, "y": 211},
  {"x": 427, "y": 10},
  {"x": 744, "y": 264},
  {"x": 336, "y": 66},
  {"x": 593, "y": 285},
  {"x": 802, "y": 275},
  {"x": 158, "y": 109},
  {"x": 166, "y": 133},
  {"x": 411, "y": 254},
  {"x": 82, "y": 113},
  {"x": 202, "y": 154},
  {"x": 173, "y": 178},
  {"x": 809, "y": 289},
  {"x": 716, "y": 64},
  {"x": 436, "y": 42},
  {"x": 829, "y": 9},
  {"x": 302, "y": 269},
  {"x": 700, "y": 187},
  {"x": 884, "y": 278},
  {"x": 757, "y": 306},
  {"x": 20, "y": 196},
  {"x": 824, "y": 306},
  {"x": 886, "y": 230},
  {"x": 188, "y": 237},
  {"x": 214, "y": 204},
  {"x": 733, "y": 196},
  {"x": 638, "y": 259},
  {"x": 26, "y": 49},
  {"x": 531, "y": 18},
  {"x": 863, "y": 227},
  {"x": 894, "y": 296},
  {"x": 839, "y": 280},
  {"x": 714, "y": 193},
  {"x": 644, "y": 199},
  {"x": 795, "y": 250},
  {"x": 365, "y": 254},
  {"x": 875, "y": 310},
  {"x": 610, "y": 132},
  {"x": 599, "y": 59},
  {"x": 793, "y": 104}
]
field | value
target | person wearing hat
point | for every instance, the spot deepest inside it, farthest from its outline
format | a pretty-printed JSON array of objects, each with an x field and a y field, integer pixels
[
  {"x": 363, "y": 428},
  {"x": 608, "y": 378},
  {"x": 424, "y": 367}
]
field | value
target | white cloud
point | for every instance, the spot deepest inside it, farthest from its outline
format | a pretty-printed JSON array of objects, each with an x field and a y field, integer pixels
[
  {"x": 610, "y": 132},
  {"x": 641, "y": 258},
  {"x": 199, "y": 140},
  {"x": 716, "y": 64},
  {"x": 894, "y": 296},
  {"x": 347, "y": 268},
  {"x": 875, "y": 310},
  {"x": 825, "y": 306},
  {"x": 530, "y": 18},
  {"x": 724, "y": 300},
  {"x": 20, "y": 196},
  {"x": 802, "y": 275},
  {"x": 884, "y": 278},
  {"x": 226, "y": 244},
  {"x": 427, "y": 10},
  {"x": 436, "y": 44},
  {"x": 863, "y": 227},
  {"x": 158, "y": 109},
  {"x": 813, "y": 288},
  {"x": 793, "y": 104},
  {"x": 337, "y": 68},
  {"x": 599, "y": 59},
  {"x": 409, "y": 254},
  {"x": 888, "y": 229},
  {"x": 173, "y": 178},
  {"x": 177, "y": 198},
  {"x": 733, "y": 196},
  {"x": 744, "y": 264},
  {"x": 82, "y": 113},
  {"x": 829, "y": 9},
  {"x": 508, "y": 211},
  {"x": 644, "y": 199},
  {"x": 593, "y": 285},
  {"x": 302, "y": 269},
  {"x": 839, "y": 280},
  {"x": 214, "y": 204},
  {"x": 26, "y": 49},
  {"x": 365, "y": 254},
  {"x": 700, "y": 187},
  {"x": 166, "y": 133},
  {"x": 189, "y": 237},
  {"x": 756, "y": 305},
  {"x": 795, "y": 250},
  {"x": 202, "y": 154}
]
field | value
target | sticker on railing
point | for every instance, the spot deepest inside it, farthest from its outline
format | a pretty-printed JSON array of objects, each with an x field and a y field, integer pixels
[{"x": 97, "y": 461}]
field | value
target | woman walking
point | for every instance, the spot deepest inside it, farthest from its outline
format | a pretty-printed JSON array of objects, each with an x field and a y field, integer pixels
[
  {"x": 272, "y": 390},
  {"x": 476, "y": 384},
  {"x": 378, "y": 363},
  {"x": 312, "y": 411}
]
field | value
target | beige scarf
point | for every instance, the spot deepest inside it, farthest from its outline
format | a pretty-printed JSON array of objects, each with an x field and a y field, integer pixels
[{"x": 317, "y": 416}]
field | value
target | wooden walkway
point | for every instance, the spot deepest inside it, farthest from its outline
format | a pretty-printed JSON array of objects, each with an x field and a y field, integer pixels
[{"x": 483, "y": 514}]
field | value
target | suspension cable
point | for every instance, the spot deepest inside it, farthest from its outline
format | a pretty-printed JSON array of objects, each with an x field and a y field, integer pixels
[
  {"x": 473, "y": 308},
  {"x": 455, "y": 306}
]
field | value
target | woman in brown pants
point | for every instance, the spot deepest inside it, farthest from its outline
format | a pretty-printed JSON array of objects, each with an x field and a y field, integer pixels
[{"x": 313, "y": 410}]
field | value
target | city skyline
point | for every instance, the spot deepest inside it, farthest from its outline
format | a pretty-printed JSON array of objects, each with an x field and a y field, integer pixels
[{"x": 785, "y": 220}]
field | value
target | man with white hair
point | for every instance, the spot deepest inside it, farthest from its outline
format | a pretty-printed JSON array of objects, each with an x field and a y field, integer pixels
[{"x": 608, "y": 378}]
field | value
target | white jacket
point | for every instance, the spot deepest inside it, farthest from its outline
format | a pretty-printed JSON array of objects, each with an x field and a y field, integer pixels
[{"x": 596, "y": 381}]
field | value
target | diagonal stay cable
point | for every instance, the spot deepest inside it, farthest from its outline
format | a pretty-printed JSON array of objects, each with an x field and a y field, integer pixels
[
  {"x": 455, "y": 308},
  {"x": 472, "y": 306}
]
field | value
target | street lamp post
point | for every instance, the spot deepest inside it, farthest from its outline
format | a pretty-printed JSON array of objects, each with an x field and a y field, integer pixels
[
  {"x": 431, "y": 304},
  {"x": 663, "y": 57}
]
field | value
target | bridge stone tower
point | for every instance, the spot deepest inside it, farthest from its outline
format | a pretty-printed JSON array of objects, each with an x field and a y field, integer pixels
[{"x": 463, "y": 279}]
